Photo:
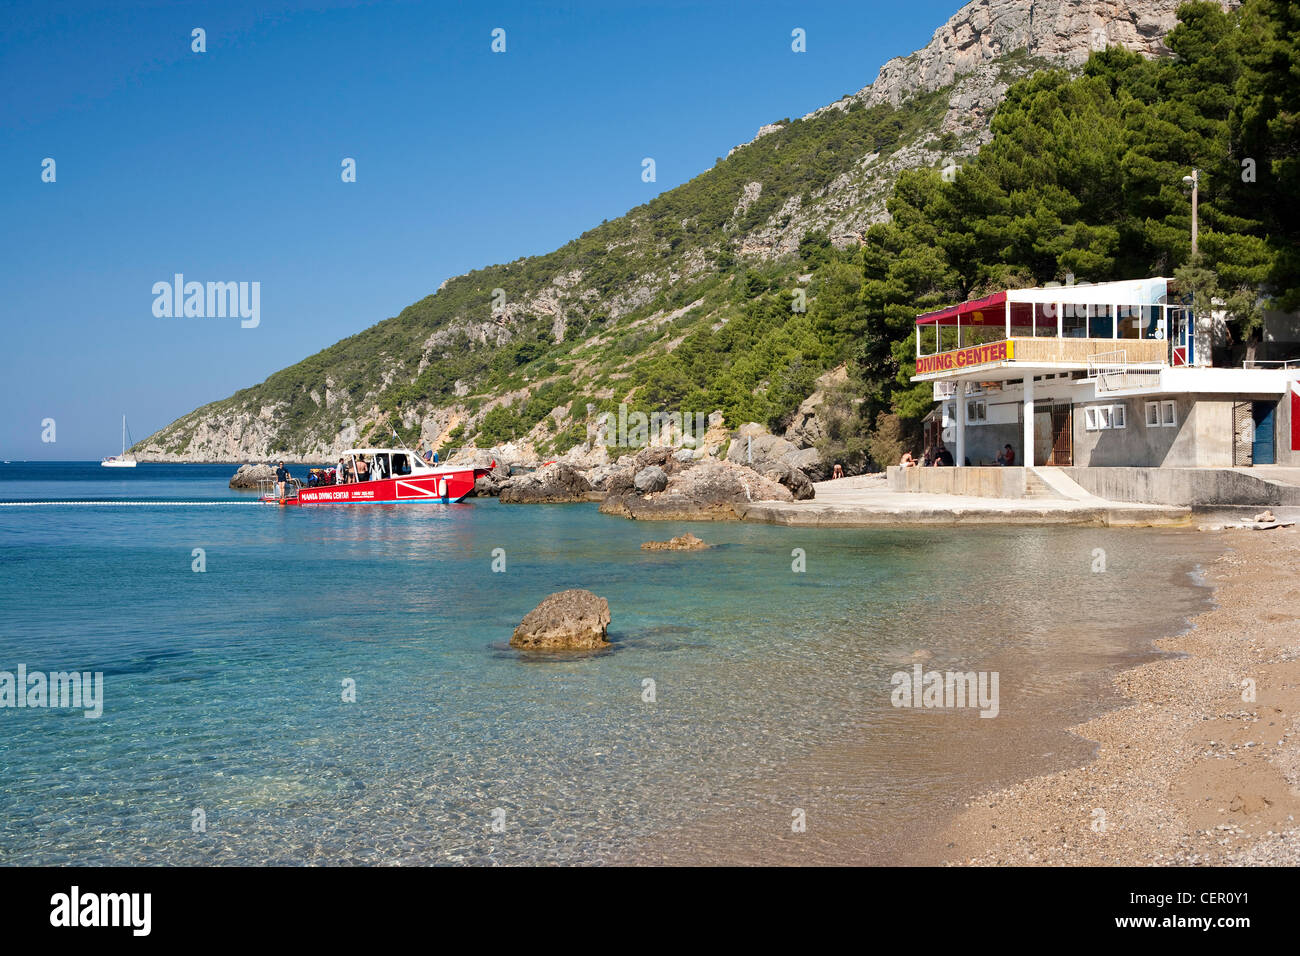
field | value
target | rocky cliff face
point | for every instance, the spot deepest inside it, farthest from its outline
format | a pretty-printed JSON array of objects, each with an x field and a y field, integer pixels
[
  {"x": 978, "y": 54},
  {"x": 1063, "y": 32},
  {"x": 614, "y": 324}
]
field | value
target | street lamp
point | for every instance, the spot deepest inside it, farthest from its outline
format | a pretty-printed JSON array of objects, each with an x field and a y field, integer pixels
[{"x": 1194, "y": 180}]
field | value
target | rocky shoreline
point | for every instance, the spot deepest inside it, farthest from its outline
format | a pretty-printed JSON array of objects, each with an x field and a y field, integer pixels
[{"x": 657, "y": 483}]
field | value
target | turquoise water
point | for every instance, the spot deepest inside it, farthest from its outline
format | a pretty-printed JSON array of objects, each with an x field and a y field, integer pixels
[{"x": 223, "y": 689}]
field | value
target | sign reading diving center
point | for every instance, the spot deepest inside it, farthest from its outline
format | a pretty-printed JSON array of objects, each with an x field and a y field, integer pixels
[{"x": 966, "y": 358}]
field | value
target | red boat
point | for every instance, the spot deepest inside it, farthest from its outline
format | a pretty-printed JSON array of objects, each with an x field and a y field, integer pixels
[{"x": 377, "y": 476}]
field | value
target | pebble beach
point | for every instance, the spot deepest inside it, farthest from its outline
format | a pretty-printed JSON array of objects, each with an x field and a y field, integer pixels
[{"x": 1201, "y": 767}]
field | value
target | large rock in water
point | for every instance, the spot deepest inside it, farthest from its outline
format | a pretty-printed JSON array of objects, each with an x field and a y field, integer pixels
[
  {"x": 708, "y": 491},
  {"x": 554, "y": 484},
  {"x": 248, "y": 476},
  {"x": 568, "y": 620}
]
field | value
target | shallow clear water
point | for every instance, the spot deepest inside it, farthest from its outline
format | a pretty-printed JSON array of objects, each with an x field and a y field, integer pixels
[{"x": 224, "y": 688}]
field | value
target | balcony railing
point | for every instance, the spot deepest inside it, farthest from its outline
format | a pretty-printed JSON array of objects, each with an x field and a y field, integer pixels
[
  {"x": 1112, "y": 372},
  {"x": 1046, "y": 352}
]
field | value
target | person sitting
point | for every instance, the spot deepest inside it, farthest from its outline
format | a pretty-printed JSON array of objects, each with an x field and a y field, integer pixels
[
  {"x": 907, "y": 461},
  {"x": 928, "y": 458},
  {"x": 1007, "y": 457},
  {"x": 943, "y": 456}
]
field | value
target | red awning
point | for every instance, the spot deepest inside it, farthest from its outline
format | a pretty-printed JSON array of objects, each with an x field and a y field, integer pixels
[{"x": 967, "y": 311}]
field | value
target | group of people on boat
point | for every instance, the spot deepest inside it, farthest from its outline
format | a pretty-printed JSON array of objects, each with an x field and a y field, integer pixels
[{"x": 357, "y": 467}]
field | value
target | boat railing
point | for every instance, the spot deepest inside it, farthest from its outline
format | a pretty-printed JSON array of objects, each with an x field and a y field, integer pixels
[{"x": 266, "y": 488}]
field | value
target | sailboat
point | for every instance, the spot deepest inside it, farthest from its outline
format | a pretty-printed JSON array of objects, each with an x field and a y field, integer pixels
[{"x": 120, "y": 461}]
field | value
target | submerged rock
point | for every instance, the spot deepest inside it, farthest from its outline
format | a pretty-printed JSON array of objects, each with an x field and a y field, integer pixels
[
  {"x": 683, "y": 542},
  {"x": 567, "y": 620}
]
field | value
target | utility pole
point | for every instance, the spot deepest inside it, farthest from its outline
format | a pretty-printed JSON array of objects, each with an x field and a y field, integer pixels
[{"x": 1194, "y": 180}]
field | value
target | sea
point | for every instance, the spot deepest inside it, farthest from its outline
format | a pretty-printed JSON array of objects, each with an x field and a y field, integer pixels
[{"x": 334, "y": 685}]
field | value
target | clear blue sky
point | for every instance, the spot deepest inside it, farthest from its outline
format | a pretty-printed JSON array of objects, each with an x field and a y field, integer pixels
[{"x": 225, "y": 166}]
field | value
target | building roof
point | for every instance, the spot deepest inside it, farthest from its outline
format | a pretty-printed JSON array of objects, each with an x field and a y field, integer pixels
[{"x": 1130, "y": 292}]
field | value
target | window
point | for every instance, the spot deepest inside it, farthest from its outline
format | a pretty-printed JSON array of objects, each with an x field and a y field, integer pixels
[
  {"x": 1105, "y": 417},
  {"x": 977, "y": 413},
  {"x": 1161, "y": 414}
]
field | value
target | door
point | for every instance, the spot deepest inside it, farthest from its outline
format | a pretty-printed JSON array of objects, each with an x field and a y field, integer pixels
[
  {"x": 1263, "y": 448},
  {"x": 1043, "y": 437},
  {"x": 1062, "y": 455}
]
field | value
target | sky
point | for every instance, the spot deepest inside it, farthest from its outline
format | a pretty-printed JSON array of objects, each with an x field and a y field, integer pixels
[{"x": 227, "y": 166}]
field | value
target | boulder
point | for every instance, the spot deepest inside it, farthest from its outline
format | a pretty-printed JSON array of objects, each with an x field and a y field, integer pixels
[
  {"x": 809, "y": 461},
  {"x": 554, "y": 484},
  {"x": 709, "y": 491},
  {"x": 620, "y": 480},
  {"x": 683, "y": 542},
  {"x": 601, "y": 474},
  {"x": 248, "y": 476},
  {"x": 650, "y": 479},
  {"x": 792, "y": 478},
  {"x": 568, "y": 620},
  {"x": 761, "y": 444}
]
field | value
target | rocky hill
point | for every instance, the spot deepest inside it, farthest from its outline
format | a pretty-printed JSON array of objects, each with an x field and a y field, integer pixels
[{"x": 531, "y": 351}]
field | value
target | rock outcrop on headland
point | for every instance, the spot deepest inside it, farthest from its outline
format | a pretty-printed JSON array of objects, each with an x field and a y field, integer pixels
[
  {"x": 568, "y": 620},
  {"x": 707, "y": 491},
  {"x": 559, "y": 483}
]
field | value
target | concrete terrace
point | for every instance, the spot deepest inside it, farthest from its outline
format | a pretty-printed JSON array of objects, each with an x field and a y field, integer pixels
[{"x": 867, "y": 500}]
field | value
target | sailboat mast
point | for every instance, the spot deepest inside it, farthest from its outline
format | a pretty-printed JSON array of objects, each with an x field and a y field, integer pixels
[{"x": 123, "y": 434}]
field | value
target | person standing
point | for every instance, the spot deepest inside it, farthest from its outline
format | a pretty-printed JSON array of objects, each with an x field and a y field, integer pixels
[{"x": 281, "y": 479}]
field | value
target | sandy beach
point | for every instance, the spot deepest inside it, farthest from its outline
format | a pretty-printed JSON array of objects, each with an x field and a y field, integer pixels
[{"x": 1201, "y": 767}]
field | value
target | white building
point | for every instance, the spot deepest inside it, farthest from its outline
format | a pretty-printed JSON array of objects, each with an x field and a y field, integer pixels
[{"x": 1115, "y": 374}]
